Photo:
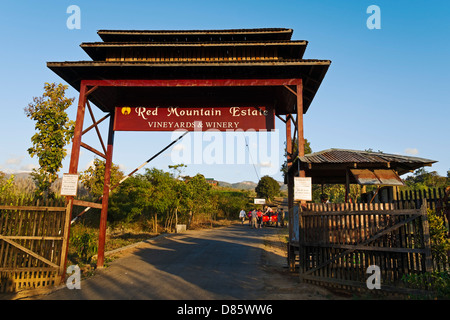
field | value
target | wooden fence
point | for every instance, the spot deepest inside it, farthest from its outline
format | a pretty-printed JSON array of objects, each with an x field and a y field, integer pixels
[
  {"x": 32, "y": 243},
  {"x": 436, "y": 199},
  {"x": 338, "y": 242},
  {"x": 433, "y": 196}
]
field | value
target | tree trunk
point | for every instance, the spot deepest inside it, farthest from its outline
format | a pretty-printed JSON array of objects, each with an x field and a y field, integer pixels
[{"x": 190, "y": 219}]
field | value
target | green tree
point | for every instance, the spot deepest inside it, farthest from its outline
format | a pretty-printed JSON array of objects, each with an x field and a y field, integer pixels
[
  {"x": 267, "y": 188},
  {"x": 159, "y": 194},
  {"x": 144, "y": 196},
  {"x": 231, "y": 202},
  {"x": 334, "y": 192},
  {"x": 177, "y": 169},
  {"x": 131, "y": 201},
  {"x": 93, "y": 178},
  {"x": 422, "y": 179},
  {"x": 163, "y": 196},
  {"x": 53, "y": 131},
  {"x": 196, "y": 196},
  {"x": 6, "y": 185}
]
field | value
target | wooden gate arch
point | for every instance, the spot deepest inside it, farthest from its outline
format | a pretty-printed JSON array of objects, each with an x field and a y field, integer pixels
[{"x": 257, "y": 68}]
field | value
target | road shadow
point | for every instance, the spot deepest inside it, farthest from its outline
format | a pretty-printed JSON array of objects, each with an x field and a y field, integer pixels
[{"x": 230, "y": 263}]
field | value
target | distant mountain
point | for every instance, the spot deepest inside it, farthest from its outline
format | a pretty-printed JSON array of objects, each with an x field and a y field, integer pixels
[
  {"x": 246, "y": 185},
  {"x": 224, "y": 184},
  {"x": 18, "y": 175}
]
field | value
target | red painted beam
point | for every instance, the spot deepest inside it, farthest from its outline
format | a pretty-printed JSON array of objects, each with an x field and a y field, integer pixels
[
  {"x": 106, "y": 189},
  {"x": 300, "y": 134},
  {"x": 193, "y": 83},
  {"x": 76, "y": 142}
]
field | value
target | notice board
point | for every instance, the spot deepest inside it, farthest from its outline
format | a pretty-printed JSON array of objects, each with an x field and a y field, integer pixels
[{"x": 302, "y": 188}]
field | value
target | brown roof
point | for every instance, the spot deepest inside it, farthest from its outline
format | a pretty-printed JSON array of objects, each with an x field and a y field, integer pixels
[
  {"x": 353, "y": 156},
  {"x": 223, "y": 51},
  {"x": 196, "y": 35},
  {"x": 196, "y": 54},
  {"x": 331, "y": 165}
]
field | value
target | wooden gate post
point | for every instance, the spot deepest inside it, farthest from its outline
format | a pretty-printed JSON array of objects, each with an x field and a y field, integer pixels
[
  {"x": 66, "y": 235},
  {"x": 426, "y": 237},
  {"x": 292, "y": 242},
  {"x": 290, "y": 174},
  {"x": 301, "y": 241},
  {"x": 73, "y": 169},
  {"x": 106, "y": 189},
  {"x": 289, "y": 178}
]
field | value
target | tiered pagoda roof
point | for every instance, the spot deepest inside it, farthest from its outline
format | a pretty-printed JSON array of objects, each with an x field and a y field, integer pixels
[{"x": 196, "y": 54}]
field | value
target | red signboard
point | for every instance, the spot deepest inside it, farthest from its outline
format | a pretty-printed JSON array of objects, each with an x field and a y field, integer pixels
[{"x": 191, "y": 119}]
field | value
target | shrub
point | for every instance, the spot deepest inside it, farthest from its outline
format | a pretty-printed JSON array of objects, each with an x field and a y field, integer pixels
[
  {"x": 437, "y": 282},
  {"x": 82, "y": 244},
  {"x": 440, "y": 243}
]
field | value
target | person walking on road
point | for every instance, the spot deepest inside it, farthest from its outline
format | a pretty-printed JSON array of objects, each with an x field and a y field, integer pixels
[
  {"x": 260, "y": 218},
  {"x": 242, "y": 216},
  {"x": 281, "y": 217},
  {"x": 254, "y": 219}
]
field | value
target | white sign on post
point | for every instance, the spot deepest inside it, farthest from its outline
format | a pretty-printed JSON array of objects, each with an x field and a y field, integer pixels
[
  {"x": 302, "y": 188},
  {"x": 69, "y": 185},
  {"x": 259, "y": 201}
]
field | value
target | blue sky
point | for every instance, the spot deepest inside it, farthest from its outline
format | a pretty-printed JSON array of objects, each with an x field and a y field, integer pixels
[{"x": 386, "y": 89}]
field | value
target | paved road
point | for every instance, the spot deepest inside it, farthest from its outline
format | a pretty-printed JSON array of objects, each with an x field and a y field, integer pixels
[{"x": 225, "y": 263}]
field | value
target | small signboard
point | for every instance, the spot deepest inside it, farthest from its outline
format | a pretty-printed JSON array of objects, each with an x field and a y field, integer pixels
[
  {"x": 69, "y": 185},
  {"x": 259, "y": 201},
  {"x": 303, "y": 188}
]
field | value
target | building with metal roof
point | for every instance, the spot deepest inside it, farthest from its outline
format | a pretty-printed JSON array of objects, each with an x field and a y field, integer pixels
[{"x": 339, "y": 166}]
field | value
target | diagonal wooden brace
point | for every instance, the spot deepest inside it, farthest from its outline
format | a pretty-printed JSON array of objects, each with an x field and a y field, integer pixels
[
  {"x": 356, "y": 247},
  {"x": 31, "y": 253}
]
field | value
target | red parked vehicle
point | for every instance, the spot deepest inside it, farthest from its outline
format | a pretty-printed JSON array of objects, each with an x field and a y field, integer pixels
[{"x": 270, "y": 219}]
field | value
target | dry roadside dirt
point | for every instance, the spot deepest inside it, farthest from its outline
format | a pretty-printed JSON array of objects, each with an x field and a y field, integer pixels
[{"x": 284, "y": 284}]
